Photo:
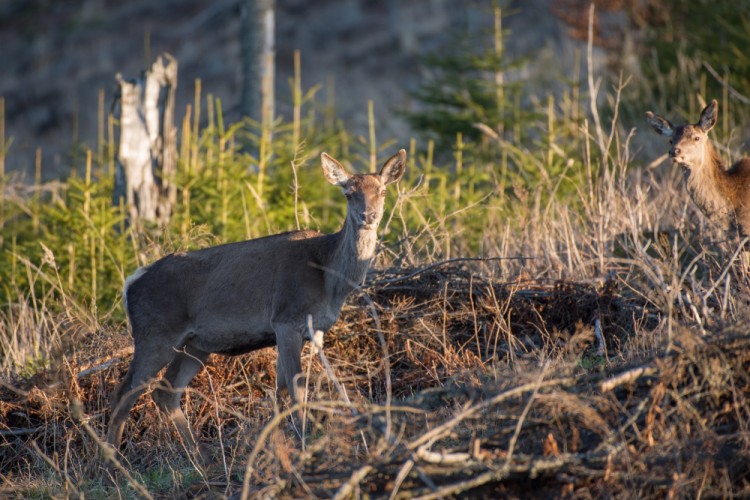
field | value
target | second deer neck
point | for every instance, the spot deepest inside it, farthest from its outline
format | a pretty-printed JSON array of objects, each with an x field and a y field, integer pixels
[{"x": 707, "y": 184}]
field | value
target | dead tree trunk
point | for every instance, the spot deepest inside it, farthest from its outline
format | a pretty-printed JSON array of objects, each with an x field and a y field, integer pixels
[
  {"x": 147, "y": 156},
  {"x": 257, "y": 45}
]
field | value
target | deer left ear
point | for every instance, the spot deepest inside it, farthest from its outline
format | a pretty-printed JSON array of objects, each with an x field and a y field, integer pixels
[
  {"x": 708, "y": 116},
  {"x": 394, "y": 168}
]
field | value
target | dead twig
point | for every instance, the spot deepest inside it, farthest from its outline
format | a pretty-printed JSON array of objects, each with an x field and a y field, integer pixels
[
  {"x": 627, "y": 377},
  {"x": 347, "y": 488},
  {"x": 723, "y": 82}
]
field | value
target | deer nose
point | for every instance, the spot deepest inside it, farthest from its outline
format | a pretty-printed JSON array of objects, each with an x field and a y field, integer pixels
[
  {"x": 370, "y": 217},
  {"x": 674, "y": 152}
]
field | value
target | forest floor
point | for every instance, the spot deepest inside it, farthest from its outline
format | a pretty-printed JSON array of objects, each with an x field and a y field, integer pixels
[{"x": 595, "y": 394}]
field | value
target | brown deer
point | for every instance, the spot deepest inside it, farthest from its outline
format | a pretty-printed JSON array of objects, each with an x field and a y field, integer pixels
[
  {"x": 238, "y": 297},
  {"x": 722, "y": 194}
]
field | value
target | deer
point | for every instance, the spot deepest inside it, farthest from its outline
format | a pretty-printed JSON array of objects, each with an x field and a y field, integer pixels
[
  {"x": 234, "y": 298},
  {"x": 722, "y": 194}
]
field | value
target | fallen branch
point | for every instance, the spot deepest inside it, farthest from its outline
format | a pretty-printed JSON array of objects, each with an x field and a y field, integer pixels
[
  {"x": 21, "y": 432},
  {"x": 627, "y": 377},
  {"x": 441, "y": 458},
  {"x": 103, "y": 365},
  {"x": 346, "y": 489},
  {"x": 14, "y": 389}
]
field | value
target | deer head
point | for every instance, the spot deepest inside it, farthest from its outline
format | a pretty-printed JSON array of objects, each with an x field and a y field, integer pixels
[
  {"x": 690, "y": 146},
  {"x": 365, "y": 193}
]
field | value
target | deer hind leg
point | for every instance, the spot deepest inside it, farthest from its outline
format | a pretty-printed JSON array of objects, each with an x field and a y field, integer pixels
[
  {"x": 183, "y": 368},
  {"x": 145, "y": 365},
  {"x": 288, "y": 364}
]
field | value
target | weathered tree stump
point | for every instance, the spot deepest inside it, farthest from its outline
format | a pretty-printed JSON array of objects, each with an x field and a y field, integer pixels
[{"x": 147, "y": 156}]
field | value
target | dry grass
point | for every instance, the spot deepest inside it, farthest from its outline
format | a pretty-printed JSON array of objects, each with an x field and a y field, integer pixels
[{"x": 493, "y": 388}]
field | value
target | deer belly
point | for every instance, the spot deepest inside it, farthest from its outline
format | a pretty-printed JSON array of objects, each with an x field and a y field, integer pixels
[
  {"x": 231, "y": 333},
  {"x": 234, "y": 343},
  {"x": 251, "y": 344}
]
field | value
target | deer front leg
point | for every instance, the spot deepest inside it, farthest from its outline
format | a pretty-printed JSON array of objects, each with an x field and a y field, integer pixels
[{"x": 289, "y": 341}]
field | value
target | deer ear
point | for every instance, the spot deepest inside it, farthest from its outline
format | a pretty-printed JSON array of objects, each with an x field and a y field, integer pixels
[
  {"x": 660, "y": 124},
  {"x": 393, "y": 169},
  {"x": 708, "y": 116},
  {"x": 334, "y": 172}
]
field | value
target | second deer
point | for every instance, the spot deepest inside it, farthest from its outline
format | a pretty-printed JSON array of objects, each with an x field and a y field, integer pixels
[
  {"x": 235, "y": 298},
  {"x": 722, "y": 194}
]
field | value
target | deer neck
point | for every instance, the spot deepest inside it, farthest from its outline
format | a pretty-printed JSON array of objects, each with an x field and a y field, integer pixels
[
  {"x": 707, "y": 185},
  {"x": 352, "y": 253}
]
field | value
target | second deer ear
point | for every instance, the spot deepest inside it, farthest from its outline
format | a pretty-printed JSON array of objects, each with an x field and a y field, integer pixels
[
  {"x": 394, "y": 168},
  {"x": 708, "y": 116},
  {"x": 660, "y": 124},
  {"x": 333, "y": 170}
]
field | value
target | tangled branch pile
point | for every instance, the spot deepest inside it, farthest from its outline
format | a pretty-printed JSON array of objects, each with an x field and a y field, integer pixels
[{"x": 456, "y": 383}]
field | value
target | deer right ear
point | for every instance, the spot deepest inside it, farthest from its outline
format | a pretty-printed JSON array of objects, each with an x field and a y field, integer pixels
[
  {"x": 394, "y": 167},
  {"x": 660, "y": 124},
  {"x": 708, "y": 116},
  {"x": 333, "y": 170}
]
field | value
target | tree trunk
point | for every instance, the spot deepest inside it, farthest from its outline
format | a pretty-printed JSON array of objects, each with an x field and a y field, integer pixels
[
  {"x": 146, "y": 160},
  {"x": 257, "y": 43}
]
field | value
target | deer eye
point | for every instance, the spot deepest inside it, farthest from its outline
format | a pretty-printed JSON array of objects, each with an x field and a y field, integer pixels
[{"x": 697, "y": 138}]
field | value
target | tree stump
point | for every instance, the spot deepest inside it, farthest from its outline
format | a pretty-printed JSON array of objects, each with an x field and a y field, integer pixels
[{"x": 147, "y": 155}]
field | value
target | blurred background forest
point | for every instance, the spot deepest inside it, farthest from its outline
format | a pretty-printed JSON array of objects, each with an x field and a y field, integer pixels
[{"x": 58, "y": 56}]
